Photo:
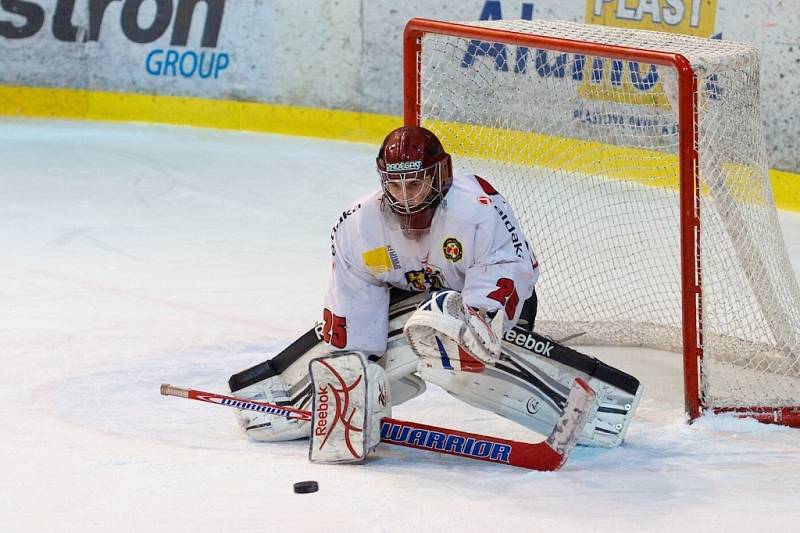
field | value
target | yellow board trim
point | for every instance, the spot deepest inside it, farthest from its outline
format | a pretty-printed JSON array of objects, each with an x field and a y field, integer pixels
[
  {"x": 343, "y": 125},
  {"x": 200, "y": 112},
  {"x": 647, "y": 167},
  {"x": 785, "y": 189}
]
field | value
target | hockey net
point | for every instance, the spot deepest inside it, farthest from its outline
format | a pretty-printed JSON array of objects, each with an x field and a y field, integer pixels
[{"x": 636, "y": 163}]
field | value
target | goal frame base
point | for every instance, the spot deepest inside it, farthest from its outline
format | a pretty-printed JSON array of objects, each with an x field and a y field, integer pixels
[{"x": 783, "y": 416}]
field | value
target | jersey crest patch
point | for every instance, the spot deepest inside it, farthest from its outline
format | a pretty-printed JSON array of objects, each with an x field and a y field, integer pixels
[
  {"x": 452, "y": 249},
  {"x": 427, "y": 278},
  {"x": 381, "y": 260}
]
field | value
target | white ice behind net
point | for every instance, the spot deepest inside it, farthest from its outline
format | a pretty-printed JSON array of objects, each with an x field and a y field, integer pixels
[{"x": 586, "y": 151}]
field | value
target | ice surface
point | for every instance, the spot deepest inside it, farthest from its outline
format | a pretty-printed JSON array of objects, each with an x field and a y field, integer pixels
[{"x": 134, "y": 255}]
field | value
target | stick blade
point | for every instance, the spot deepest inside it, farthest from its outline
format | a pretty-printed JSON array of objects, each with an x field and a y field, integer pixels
[
  {"x": 169, "y": 390},
  {"x": 581, "y": 406}
]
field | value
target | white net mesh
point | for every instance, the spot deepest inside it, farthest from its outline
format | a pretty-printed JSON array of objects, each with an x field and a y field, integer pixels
[{"x": 586, "y": 149}]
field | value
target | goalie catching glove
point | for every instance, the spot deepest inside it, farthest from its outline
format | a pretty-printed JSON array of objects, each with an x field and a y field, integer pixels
[{"x": 446, "y": 333}]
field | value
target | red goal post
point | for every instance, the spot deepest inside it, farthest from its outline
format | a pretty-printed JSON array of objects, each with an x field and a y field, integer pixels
[{"x": 688, "y": 168}]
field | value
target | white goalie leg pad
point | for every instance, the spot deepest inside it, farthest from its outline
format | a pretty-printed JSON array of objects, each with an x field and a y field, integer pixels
[
  {"x": 610, "y": 425},
  {"x": 443, "y": 326},
  {"x": 265, "y": 427},
  {"x": 350, "y": 398},
  {"x": 406, "y": 388},
  {"x": 536, "y": 400},
  {"x": 400, "y": 363},
  {"x": 492, "y": 391},
  {"x": 616, "y": 406}
]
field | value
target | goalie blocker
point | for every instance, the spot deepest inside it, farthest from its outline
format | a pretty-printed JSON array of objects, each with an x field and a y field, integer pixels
[
  {"x": 529, "y": 382},
  {"x": 350, "y": 398}
]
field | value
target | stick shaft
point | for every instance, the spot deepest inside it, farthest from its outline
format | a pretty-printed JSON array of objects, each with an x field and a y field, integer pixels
[
  {"x": 535, "y": 456},
  {"x": 238, "y": 403}
]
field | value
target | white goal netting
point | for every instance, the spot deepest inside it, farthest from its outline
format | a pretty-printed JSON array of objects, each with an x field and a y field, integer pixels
[{"x": 586, "y": 150}]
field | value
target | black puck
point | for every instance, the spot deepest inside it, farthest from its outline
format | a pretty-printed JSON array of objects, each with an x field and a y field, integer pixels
[{"x": 304, "y": 487}]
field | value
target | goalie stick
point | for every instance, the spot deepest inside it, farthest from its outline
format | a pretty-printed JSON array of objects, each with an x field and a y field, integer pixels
[{"x": 551, "y": 454}]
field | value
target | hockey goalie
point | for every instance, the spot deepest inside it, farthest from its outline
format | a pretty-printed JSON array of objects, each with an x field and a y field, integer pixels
[{"x": 432, "y": 281}]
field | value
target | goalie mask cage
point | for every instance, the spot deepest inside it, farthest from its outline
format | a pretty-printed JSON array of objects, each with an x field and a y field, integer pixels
[{"x": 622, "y": 152}]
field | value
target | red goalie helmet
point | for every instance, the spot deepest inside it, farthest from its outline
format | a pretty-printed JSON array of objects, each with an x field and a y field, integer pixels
[{"x": 415, "y": 174}]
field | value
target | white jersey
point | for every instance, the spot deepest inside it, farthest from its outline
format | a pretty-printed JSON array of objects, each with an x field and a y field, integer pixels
[{"x": 475, "y": 245}]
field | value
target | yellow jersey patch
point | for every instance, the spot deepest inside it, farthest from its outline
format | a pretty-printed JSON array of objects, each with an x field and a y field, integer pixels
[{"x": 380, "y": 260}]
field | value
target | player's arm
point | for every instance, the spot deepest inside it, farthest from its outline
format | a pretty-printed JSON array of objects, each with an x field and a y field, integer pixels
[
  {"x": 505, "y": 269},
  {"x": 355, "y": 316}
]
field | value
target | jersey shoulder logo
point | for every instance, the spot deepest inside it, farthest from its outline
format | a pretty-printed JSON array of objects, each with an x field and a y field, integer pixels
[{"x": 452, "y": 249}]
